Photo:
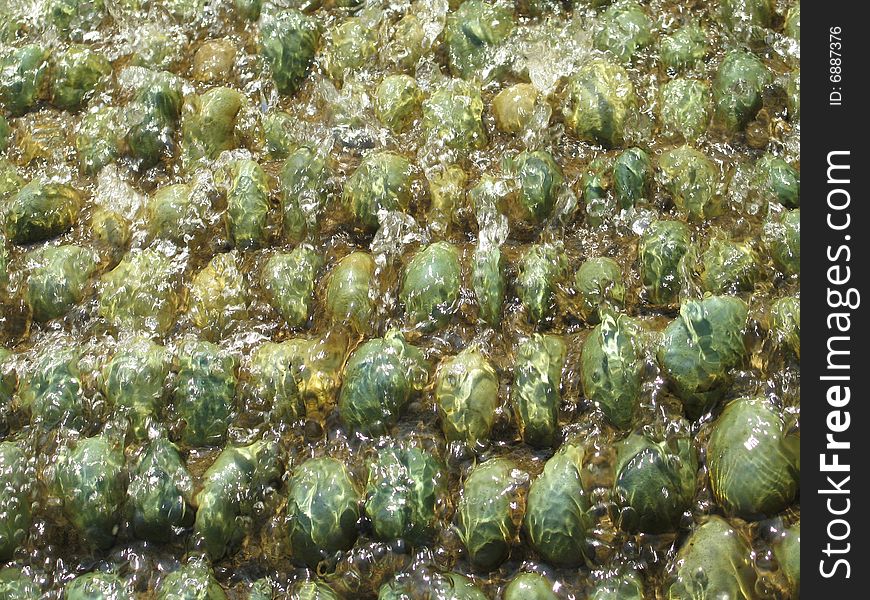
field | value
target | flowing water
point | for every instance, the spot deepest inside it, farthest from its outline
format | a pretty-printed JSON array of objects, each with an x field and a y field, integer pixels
[{"x": 339, "y": 119}]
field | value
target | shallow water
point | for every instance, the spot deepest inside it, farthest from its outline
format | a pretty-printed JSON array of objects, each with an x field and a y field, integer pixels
[{"x": 339, "y": 119}]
